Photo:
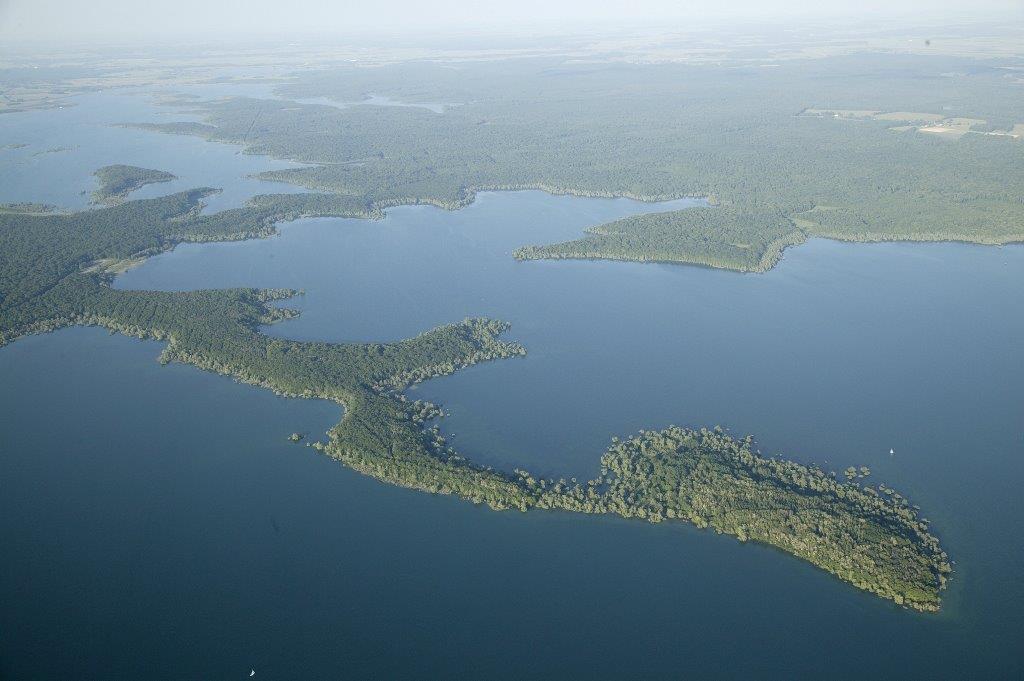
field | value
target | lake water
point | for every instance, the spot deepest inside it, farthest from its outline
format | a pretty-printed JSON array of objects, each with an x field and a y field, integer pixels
[
  {"x": 156, "y": 523},
  {"x": 64, "y": 146}
]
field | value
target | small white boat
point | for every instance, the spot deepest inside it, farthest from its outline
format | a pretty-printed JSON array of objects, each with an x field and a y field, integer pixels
[
  {"x": 252, "y": 672},
  {"x": 892, "y": 451}
]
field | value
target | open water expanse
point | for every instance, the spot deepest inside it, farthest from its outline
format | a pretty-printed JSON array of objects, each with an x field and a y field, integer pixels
[{"x": 155, "y": 523}]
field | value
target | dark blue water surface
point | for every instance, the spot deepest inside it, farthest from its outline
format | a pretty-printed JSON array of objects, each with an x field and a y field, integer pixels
[{"x": 155, "y": 523}]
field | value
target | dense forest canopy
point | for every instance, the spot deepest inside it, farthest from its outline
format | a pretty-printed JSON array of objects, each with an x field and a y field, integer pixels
[
  {"x": 117, "y": 181},
  {"x": 739, "y": 135},
  {"x": 40, "y": 250},
  {"x": 725, "y": 237}
]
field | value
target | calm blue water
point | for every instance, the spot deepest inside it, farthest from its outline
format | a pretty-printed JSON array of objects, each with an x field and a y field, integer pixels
[
  {"x": 157, "y": 525},
  {"x": 64, "y": 147}
]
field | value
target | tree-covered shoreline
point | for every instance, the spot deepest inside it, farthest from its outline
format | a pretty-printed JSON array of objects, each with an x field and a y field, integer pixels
[
  {"x": 738, "y": 136},
  {"x": 55, "y": 271},
  {"x": 713, "y": 236},
  {"x": 116, "y": 182}
]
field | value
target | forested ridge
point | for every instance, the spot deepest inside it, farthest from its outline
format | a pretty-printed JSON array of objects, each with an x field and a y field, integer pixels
[
  {"x": 733, "y": 134},
  {"x": 55, "y": 270}
]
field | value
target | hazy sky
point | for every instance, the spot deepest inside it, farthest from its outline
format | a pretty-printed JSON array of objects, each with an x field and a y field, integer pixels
[{"x": 75, "y": 20}]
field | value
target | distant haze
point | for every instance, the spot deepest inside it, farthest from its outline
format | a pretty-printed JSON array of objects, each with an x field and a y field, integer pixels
[{"x": 85, "y": 20}]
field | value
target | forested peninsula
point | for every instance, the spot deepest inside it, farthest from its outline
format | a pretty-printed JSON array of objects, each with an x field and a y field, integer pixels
[
  {"x": 721, "y": 237},
  {"x": 55, "y": 270},
  {"x": 117, "y": 181}
]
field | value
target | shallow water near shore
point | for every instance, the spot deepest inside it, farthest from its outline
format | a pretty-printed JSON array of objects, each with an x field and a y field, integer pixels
[{"x": 157, "y": 524}]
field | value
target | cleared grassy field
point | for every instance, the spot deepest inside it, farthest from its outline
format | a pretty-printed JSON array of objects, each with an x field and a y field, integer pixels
[
  {"x": 908, "y": 117},
  {"x": 955, "y": 127}
]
